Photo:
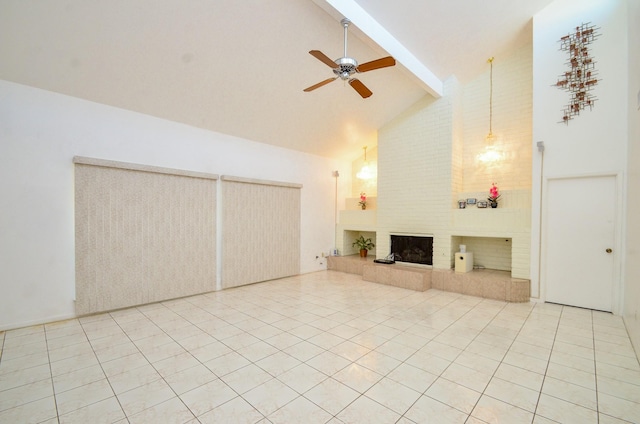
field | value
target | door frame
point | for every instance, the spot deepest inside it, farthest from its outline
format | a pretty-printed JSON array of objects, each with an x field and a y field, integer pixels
[{"x": 617, "y": 300}]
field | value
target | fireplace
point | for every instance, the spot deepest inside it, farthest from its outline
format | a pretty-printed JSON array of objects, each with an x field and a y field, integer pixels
[{"x": 412, "y": 249}]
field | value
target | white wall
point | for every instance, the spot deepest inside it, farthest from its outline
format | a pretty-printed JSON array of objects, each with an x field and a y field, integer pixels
[
  {"x": 41, "y": 131},
  {"x": 632, "y": 275},
  {"x": 594, "y": 142}
]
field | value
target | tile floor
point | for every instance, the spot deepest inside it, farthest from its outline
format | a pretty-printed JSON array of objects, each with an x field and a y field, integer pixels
[{"x": 323, "y": 347}]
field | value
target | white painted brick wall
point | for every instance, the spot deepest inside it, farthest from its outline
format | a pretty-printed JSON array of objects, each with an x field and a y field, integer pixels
[
  {"x": 512, "y": 124},
  {"x": 489, "y": 252},
  {"x": 415, "y": 173},
  {"x": 427, "y": 160}
]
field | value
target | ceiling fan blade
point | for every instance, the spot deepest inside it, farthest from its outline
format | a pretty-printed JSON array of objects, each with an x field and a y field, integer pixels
[
  {"x": 377, "y": 64},
  {"x": 323, "y": 58},
  {"x": 320, "y": 84},
  {"x": 360, "y": 88}
]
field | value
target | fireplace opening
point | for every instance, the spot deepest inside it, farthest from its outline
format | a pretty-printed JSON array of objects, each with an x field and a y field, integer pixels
[{"x": 412, "y": 249}]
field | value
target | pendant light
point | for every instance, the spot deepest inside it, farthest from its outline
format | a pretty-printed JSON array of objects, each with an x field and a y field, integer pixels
[
  {"x": 490, "y": 154},
  {"x": 367, "y": 171},
  {"x": 490, "y": 137}
]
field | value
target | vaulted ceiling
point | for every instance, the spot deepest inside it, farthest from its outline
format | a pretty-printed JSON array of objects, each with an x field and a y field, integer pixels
[{"x": 239, "y": 67}]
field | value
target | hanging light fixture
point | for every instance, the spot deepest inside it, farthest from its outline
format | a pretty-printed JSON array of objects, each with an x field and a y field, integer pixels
[
  {"x": 490, "y": 154},
  {"x": 366, "y": 172},
  {"x": 490, "y": 137}
]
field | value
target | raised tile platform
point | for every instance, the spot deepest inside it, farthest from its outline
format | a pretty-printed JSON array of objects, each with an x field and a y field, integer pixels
[
  {"x": 487, "y": 283},
  {"x": 490, "y": 284},
  {"x": 406, "y": 277}
]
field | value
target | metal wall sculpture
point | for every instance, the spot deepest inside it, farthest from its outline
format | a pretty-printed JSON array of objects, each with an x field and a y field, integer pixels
[{"x": 581, "y": 77}]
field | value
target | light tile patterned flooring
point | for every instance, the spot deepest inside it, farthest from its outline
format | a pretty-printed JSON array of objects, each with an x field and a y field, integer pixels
[{"x": 323, "y": 347}]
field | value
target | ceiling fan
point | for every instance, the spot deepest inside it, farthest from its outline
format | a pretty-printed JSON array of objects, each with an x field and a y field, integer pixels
[{"x": 346, "y": 66}]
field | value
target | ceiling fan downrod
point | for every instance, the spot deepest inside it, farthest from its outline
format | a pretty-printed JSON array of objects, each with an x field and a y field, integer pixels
[
  {"x": 345, "y": 24},
  {"x": 347, "y": 66}
]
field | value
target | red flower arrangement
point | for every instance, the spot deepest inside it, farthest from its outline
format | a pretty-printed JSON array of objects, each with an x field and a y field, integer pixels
[
  {"x": 494, "y": 195},
  {"x": 363, "y": 200}
]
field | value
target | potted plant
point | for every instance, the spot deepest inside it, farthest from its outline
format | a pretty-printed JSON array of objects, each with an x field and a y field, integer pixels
[
  {"x": 494, "y": 195},
  {"x": 364, "y": 245},
  {"x": 363, "y": 201}
]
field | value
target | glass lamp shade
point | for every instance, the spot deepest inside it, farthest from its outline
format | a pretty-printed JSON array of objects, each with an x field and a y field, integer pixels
[{"x": 365, "y": 173}]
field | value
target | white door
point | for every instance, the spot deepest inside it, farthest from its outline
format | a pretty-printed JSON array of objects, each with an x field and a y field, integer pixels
[{"x": 579, "y": 240}]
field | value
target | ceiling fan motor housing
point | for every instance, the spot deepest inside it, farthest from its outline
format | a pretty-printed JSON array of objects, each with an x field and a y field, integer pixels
[{"x": 346, "y": 67}]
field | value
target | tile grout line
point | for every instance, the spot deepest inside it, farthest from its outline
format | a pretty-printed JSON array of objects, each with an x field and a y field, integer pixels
[
  {"x": 156, "y": 370},
  {"x": 53, "y": 387},
  {"x": 335, "y": 416},
  {"x": 451, "y": 362},
  {"x": 101, "y": 367},
  {"x": 595, "y": 367},
  {"x": 501, "y": 360},
  {"x": 251, "y": 362},
  {"x": 544, "y": 377},
  {"x": 236, "y": 351},
  {"x": 100, "y": 363}
]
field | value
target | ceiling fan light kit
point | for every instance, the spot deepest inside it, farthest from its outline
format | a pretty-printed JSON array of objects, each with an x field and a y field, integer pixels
[{"x": 346, "y": 66}]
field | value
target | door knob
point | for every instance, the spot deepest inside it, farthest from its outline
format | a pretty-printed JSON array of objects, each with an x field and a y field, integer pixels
[{"x": 609, "y": 250}]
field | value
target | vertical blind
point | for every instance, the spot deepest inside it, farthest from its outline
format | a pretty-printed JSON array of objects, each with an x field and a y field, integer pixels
[
  {"x": 146, "y": 234},
  {"x": 143, "y": 234},
  {"x": 260, "y": 230}
]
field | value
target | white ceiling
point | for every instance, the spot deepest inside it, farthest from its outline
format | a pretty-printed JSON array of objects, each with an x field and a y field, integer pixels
[{"x": 239, "y": 67}]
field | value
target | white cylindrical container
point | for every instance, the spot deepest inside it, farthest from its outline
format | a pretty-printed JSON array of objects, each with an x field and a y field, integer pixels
[{"x": 463, "y": 248}]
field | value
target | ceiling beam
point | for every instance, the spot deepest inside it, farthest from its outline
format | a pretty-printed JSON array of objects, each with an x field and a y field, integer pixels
[{"x": 369, "y": 26}]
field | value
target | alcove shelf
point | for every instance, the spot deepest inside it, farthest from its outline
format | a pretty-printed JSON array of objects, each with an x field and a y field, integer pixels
[{"x": 352, "y": 224}]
